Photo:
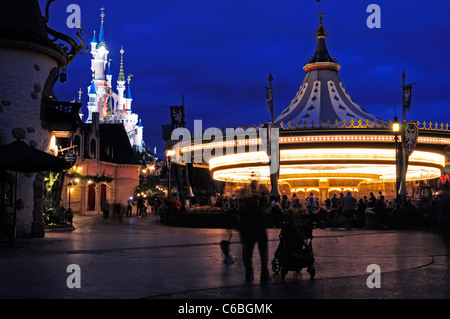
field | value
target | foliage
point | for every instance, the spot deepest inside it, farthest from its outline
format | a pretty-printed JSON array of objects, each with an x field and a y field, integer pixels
[
  {"x": 148, "y": 184},
  {"x": 98, "y": 178}
]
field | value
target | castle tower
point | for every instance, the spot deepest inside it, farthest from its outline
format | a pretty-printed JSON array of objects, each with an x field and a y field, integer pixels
[
  {"x": 101, "y": 79},
  {"x": 137, "y": 140},
  {"x": 99, "y": 53}
]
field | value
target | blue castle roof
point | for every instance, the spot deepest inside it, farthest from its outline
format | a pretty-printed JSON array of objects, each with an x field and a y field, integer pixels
[{"x": 92, "y": 89}]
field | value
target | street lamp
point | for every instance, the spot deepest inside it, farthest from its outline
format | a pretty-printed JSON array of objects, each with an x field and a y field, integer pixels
[
  {"x": 396, "y": 125},
  {"x": 169, "y": 155},
  {"x": 396, "y": 129}
]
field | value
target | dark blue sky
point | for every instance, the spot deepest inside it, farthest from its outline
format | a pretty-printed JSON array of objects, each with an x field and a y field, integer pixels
[{"x": 220, "y": 54}]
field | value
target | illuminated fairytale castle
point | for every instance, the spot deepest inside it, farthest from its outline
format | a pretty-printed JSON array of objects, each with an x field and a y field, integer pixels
[{"x": 112, "y": 107}]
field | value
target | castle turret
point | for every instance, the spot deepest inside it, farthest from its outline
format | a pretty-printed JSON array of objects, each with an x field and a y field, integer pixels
[
  {"x": 94, "y": 43},
  {"x": 137, "y": 139},
  {"x": 92, "y": 104},
  {"x": 109, "y": 74},
  {"x": 128, "y": 98}
]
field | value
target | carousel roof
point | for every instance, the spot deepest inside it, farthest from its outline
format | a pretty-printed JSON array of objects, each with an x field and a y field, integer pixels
[{"x": 322, "y": 95}]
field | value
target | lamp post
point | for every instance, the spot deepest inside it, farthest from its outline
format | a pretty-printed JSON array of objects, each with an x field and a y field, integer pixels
[
  {"x": 169, "y": 155},
  {"x": 70, "y": 187},
  {"x": 396, "y": 129}
]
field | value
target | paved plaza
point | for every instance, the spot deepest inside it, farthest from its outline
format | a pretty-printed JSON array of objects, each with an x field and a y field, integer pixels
[{"x": 140, "y": 258}]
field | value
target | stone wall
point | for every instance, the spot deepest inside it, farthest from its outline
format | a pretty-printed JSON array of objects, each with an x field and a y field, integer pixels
[{"x": 23, "y": 77}]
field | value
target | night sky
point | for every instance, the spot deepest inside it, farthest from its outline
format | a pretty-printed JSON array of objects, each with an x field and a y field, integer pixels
[{"x": 219, "y": 55}]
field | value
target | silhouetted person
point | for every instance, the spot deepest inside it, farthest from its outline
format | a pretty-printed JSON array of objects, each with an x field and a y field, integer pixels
[
  {"x": 253, "y": 230},
  {"x": 361, "y": 212},
  {"x": 380, "y": 209},
  {"x": 105, "y": 209},
  {"x": 129, "y": 208},
  {"x": 277, "y": 215},
  {"x": 348, "y": 209},
  {"x": 140, "y": 206}
]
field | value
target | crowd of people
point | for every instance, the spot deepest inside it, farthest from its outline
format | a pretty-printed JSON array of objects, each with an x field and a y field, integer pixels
[
  {"x": 340, "y": 210},
  {"x": 164, "y": 207},
  {"x": 337, "y": 211}
]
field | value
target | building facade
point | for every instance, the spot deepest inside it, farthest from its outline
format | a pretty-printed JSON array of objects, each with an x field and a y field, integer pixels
[
  {"x": 31, "y": 64},
  {"x": 106, "y": 168}
]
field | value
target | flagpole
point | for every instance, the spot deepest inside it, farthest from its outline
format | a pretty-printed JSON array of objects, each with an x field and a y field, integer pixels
[
  {"x": 403, "y": 96},
  {"x": 403, "y": 87},
  {"x": 271, "y": 98},
  {"x": 403, "y": 158}
]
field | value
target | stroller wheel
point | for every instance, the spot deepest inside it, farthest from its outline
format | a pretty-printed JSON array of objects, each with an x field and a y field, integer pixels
[
  {"x": 276, "y": 265},
  {"x": 312, "y": 271}
]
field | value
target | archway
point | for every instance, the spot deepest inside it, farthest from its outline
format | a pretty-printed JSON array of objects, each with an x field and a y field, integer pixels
[{"x": 91, "y": 196}]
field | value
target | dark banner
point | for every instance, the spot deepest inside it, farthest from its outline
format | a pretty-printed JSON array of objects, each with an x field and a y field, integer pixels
[{"x": 177, "y": 116}]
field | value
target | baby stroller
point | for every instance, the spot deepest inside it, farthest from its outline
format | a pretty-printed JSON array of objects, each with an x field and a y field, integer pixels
[{"x": 295, "y": 251}]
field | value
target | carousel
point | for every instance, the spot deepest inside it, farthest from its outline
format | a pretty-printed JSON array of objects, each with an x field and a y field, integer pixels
[{"x": 327, "y": 143}]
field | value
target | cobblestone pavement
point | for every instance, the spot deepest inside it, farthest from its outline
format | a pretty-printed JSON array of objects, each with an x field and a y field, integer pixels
[{"x": 141, "y": 258}]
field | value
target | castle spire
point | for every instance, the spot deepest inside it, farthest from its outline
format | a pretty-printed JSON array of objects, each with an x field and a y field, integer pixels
[
  {"x": 121, "y": 85},
  {"x": 101, "y": 36},
  {"x": 94, "y": 39},
  {"x": 108, "y": 70},
  {"x": 121, "y": 77},
  {"x": 92, "y": 90},
  {"x": 129, "y": 87}
]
